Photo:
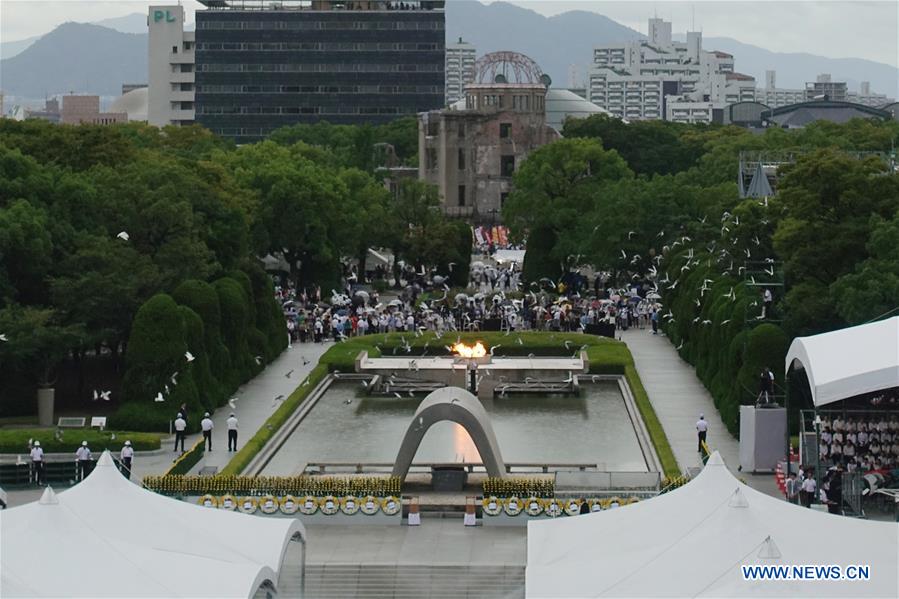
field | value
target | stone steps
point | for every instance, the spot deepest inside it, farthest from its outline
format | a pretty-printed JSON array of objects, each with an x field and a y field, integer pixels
[{"x": 375, "y": 581}]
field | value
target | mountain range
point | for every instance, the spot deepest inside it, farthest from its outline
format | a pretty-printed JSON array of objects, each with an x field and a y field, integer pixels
[{"x": 97, "y": 58}]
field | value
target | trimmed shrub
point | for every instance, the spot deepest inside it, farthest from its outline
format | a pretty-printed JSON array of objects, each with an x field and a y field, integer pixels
[
  {"x": 538, "y": 261},
  {"x": 269, "y": 316},
  {"x": 144, "y": 416},
  {"x": 235, "y": 325},
  {"x": 458, "y": 276},
  {"x": 156, "y": 349},
  {"x": 201, "y": 297},
  {"x": 209, "y": 391}
]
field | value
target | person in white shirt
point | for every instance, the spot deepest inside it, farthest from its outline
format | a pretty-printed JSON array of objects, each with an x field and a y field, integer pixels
[
  {"x": 83, "y": 455},
  {"x": 862, "y": 438},
  {"x": 37, "y": 463},
  {"x": 808, "y": 490},
  {"x": 126, "y": 457},
  {"x": 232, "y": 432},
  {"x": 207, "y": 426},
  {"x": 180, "y": 431},
  {"x": 702, "y": 428}
]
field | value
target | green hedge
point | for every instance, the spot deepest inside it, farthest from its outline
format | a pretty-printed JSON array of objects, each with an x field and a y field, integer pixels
[
  {"x": 606, "y": 356},
  {"x": 730, "y": 351},
  {"x": 188, "y": 459},
  {"x": 232, "y": 328},
  {"x": 16, "y": 440}
]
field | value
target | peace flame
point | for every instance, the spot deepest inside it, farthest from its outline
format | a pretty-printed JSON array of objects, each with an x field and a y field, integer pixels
[{"x": 476, "y": 351}]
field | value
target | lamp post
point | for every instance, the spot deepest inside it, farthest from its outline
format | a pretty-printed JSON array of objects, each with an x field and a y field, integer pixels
[{"x": 817, "y": 456}]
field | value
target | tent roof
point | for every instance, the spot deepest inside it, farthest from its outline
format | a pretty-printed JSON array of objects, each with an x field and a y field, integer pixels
[
  {"x": 849, "y": 361},
  {"x": 692, "y": 541},
  {"x": 107, "y": 537}
]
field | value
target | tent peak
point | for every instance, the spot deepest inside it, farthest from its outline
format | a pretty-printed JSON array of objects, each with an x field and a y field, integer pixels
[
  {"x": 769, "y": 549},
  {"x": 106, "y": 459},
  {"x": 49, "y": 497},
  {"x": 738, "y": 499},
  {"x": 715, "y": 459}
]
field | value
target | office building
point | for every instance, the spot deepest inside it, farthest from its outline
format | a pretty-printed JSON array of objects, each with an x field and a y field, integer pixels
[
  {"x": 635, "y": 80},
  {"x": 85, "y": 110},
  {"x": 471, "y": 150},
  {"x": 460, "y": 59},
  {"x": 171, "y": 58},
  {"x": 261, "y": 66}
]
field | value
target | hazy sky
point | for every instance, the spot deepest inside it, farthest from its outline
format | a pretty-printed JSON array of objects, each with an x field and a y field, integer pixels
[{"x": 837, "y": 29}]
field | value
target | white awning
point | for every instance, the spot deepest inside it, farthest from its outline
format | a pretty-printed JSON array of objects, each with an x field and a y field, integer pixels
[
  {"x": 692, "y": 542},
  {"x": 850, "y": 361},
  {"x": 107, "y": 537}
]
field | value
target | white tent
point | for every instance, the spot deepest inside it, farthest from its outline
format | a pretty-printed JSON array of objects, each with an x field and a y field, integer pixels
[
  {"x": 692, "y": 542},
  {"x": 107, "y": 537},
  {"x": 850, "y": 361}
]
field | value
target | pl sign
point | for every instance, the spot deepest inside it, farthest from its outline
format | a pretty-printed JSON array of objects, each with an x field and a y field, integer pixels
[{"x": 163, "y": 15}]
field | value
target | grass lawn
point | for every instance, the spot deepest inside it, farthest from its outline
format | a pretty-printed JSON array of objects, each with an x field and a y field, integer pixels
[
  {"x": 16, "y": 440},
  {"x": 606, "y": 356}
]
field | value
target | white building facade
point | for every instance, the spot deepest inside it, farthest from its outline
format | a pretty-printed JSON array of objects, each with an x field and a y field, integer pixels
[
  {"x": 637, "y": 80},
  {"x": 460, "y": 59},
  {"x": 171, "y": 91},
  {"x": 775, "y": 97}
]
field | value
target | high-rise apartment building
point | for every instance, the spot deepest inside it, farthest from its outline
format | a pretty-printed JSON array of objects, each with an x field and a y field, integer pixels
[
  {"x": 635, "y": 80},
  {"x": 170, "y": 89},
  {"x": 823, "y": 86},
  {"x": 460, "y": 59},
  {"x": 263, "y": 65}
]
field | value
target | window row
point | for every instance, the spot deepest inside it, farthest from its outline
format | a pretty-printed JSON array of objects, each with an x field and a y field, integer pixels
[
  {"x": 334, "y": 67},
  {"x": 320, "y": 89},
  {"x": 214, "y": 110},
  {"x": 319, "y": 46},
  {"x": 320, "y": 25}
]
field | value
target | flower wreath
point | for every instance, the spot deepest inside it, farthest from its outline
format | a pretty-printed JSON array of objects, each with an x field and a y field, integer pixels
[
  {"x": 553, "y": 507},
  {"x": 534, "y": 506},
  {"x": 228, "y": 502},
  {"x": 268, "y": 504},
  {"x": 329, "y": 505},
  {"x": 248, "y": 505},
  {"x": 391, "y": 505},
  {"x": 573, "y": 507},
  {"x": 309, "y": 505},
  {"x": 513, "y": 506},
  {"x": 492, "y": 505},
  {"x": 208, "y": 501},
  {"x": 349, "y": 505},
  {"x": 289, "y": 505},
  {"x": 370, "y": 505}
]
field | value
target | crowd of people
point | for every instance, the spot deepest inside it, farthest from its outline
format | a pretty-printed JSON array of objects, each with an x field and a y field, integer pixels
[
  {"x": 498, "y": 302},
  {"x": 860, "y": 441}
]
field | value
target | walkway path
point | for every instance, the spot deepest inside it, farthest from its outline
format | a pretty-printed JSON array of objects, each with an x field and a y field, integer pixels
[
  {"x": 254, "y": 405},
  {"x": 679, "y": 397}
]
